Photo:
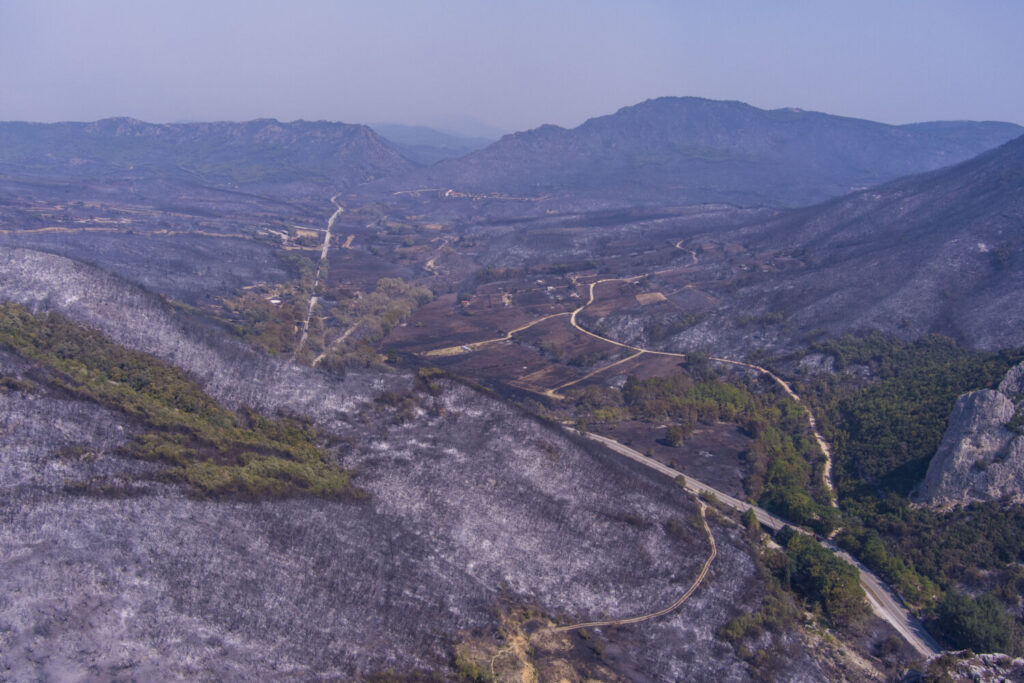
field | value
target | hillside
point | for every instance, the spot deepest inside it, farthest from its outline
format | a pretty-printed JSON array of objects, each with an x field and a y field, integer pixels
[
  {"x": 371, "y": 512},
  {"x": 254, "y": 155},
  {"x": 690, "y": 150},
  {"x": 111, "y": 569},
  {"x": 181, "y": 208},
  {"x": 934, "y": 253}
]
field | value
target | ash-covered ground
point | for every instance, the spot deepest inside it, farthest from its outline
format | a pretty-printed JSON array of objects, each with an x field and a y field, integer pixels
[{"x": 108, "y": 574}]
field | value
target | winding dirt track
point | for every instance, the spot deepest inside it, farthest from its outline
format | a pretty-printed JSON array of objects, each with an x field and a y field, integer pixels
[
  {"x": 130, "y": 231},
  {"x": 884, "y": 603},
  {"x": 881, "y": 599},
  {"x": 431, "y": 265},
  {"x": 553, "y": 393},
  {"x": 822, "y": 444},
  {"x": 671, "y": 608},
  {"x": 466, "y": 348},
  {"x": 337, "y": 342}
]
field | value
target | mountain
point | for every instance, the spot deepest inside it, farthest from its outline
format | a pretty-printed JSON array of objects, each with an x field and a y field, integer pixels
[
  {"x": 691, "y": 150},
  {"x": 254, "y": 154},
  {"x": 938, "y": 252},
  {"x": 426, "y": 146},
  {"x": 472, "y": 514}
]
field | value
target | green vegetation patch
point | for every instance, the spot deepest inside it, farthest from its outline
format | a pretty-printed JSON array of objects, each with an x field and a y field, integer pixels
[
  {"x": 828, "y": 586},
  {"x": 272, "y": 327},
  {"x": 212, "y": 449},
  {"x": 884, "y": 429},
  {"x": 886, "y": 432},
  {"x": 819, "y": 575},
  {"x": 784, "y": 462}
]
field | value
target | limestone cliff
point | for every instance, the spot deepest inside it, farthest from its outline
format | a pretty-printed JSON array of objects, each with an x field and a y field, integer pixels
[{"x": 980, "y": 458}]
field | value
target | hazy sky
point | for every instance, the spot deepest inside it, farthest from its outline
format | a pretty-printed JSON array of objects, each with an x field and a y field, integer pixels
[{"x": 513, "y": 64}]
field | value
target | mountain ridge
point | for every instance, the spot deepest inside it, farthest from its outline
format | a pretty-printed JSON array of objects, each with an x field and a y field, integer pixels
[
  {"x": 695, "y": 150},
  {"x": 930, "y": 253},
  {"x": 251, "y": 153}
]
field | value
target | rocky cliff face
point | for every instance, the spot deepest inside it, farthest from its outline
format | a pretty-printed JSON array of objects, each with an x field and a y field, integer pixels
[
  {"x": 980, "y": 458},
  {"x": 965, "y": 666},
  {"x": 1013, "y": 383}
]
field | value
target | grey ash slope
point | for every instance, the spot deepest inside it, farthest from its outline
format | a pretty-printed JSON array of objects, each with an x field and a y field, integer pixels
[
  {"x": 940, "y": 252},
  {"x": 690, "y": 150},
  {"x": 466, "y": 496},
  {"x": 263, "y": 155}
]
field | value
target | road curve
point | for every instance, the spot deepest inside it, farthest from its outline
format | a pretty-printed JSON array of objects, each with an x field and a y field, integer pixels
[
  {"x": 671, "y": 608},
  {"x": 822, "y": 444},
  {"x": 882, "y": 600},
  {"x": 553, "y": 393}
]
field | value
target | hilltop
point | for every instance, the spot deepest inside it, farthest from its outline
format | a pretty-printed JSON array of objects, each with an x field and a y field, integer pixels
[
  {"x": 263, "y": 155},
  {"x": 687, "y": 150}
]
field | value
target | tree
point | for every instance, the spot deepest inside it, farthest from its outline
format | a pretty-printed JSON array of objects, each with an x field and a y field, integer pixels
[
  {"x": 676, "y": 434},
  {"x": 979, "y": 624}
]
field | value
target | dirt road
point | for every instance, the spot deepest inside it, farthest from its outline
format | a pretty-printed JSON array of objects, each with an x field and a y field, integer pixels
[
  {"x": 882, "y": 601},
  {"x": 316, "y": 277},
  {"x": 671, "y": 608},
  {"x": 473, "y": 346},
  {"x": 822, "y": 444}
]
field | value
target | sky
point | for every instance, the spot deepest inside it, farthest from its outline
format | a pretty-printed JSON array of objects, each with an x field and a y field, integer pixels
[{"x": 484, "y": 67}]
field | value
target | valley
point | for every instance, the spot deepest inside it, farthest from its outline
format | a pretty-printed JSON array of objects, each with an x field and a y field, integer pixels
[{"x": 498, "y": 428}]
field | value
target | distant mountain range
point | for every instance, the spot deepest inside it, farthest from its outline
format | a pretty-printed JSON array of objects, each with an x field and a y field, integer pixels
[
  {"x": 253, "y": 154},
  {"x": 938, "y": 252},
  {"x": 669, "y": 150},
  {"x": 691, "y": 150}
]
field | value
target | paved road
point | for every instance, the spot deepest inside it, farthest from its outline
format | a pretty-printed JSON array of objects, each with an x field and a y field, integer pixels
[{"x": 883, "y": 602}]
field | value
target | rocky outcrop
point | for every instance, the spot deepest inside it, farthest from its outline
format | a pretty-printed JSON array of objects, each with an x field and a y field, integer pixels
[
  {"x": 966, "y": 666},
  {"x": 1013, "y": 383},
  {"x": 980, "y": 457}
]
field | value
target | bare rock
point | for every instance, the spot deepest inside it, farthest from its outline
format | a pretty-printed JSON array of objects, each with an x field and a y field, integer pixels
[
  {"x": 1013, "y": 383},
  {"x": 980, "y": 458},
  {"x": 967, "y": 666}
]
